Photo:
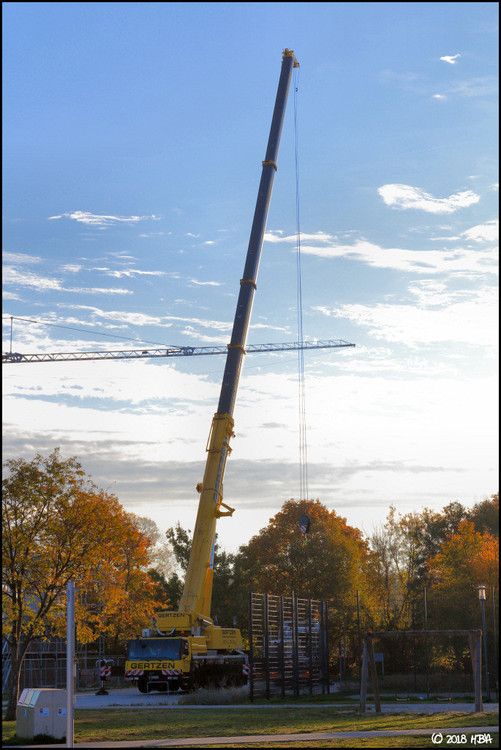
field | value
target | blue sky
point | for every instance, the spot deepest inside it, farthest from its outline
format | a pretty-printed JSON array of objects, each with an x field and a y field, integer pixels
[{"x": 133, "y": 140}]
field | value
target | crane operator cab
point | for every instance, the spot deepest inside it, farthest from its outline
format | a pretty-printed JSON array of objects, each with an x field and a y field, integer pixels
[{"x": 158, "y": 663}]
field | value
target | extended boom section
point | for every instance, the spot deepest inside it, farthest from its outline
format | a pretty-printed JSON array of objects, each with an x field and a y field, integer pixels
[
  {"x": 206, "y": 654},
  {"x": 198, "y": 576}
]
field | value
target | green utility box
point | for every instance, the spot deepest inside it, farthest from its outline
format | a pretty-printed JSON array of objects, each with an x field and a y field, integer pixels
[{"x": 41, "y": 711}]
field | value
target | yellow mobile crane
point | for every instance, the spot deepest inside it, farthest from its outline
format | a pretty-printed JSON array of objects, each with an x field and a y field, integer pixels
[{"x": 185, "y": 648}]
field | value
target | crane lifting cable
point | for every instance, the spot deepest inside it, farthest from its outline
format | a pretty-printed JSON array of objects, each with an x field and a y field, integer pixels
[{"x": 303, "y": 441}]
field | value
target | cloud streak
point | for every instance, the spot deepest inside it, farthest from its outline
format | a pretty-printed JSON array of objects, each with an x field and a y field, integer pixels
[
  {"x": 43, "y": 284},
  {"x": 458, "y": 260},
  {"x": 408, "y": 197},
  {"x": 102, "y": 220}
]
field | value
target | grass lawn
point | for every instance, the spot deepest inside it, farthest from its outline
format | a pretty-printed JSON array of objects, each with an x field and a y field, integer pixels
[
  {"x": 370, "y": 742},
  {"x": 129, "y": 724}
]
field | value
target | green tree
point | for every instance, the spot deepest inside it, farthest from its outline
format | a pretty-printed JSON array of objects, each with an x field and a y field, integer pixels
[
  {"x": 222, "y": 609},
  {"x": 485, "y": 515},
  {"x": 388, "y": 574},
  {"x": 400, "y": 551}
]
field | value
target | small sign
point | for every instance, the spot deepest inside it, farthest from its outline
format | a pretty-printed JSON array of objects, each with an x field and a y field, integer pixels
[
  {"x": 380, "y": 658},
  {"x": 61, "y": 712},
  {"x": 43, "y": 711},
  {"x": 304, "y": 523}
]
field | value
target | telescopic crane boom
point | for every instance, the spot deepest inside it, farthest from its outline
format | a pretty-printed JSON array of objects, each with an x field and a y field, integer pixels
[
  {"x": 192, "y": 647},
  {"x": 198, "y": 583}
]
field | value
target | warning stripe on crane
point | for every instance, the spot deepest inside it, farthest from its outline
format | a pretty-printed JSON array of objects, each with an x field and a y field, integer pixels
[
  {"x": 172, "y": 672},
  {"x": 134, "y": 672}
]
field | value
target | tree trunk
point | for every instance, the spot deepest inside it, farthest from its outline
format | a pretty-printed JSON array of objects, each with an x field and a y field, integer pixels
[{"x": 17, "y": 658}]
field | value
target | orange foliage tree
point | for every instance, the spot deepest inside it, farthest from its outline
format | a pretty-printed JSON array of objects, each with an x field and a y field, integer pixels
[
  {"x": 118, "y": 594},
  {"x": 326, "y": 563},
  {"x": 59, "y": 527},
  {"x": 466, "y": 559}
]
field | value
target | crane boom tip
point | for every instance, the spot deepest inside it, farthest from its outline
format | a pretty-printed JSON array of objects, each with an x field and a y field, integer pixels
[{"x": 290, "y": 53}]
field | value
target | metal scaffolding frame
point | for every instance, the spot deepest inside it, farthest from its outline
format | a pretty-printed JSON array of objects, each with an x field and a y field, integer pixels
[{"x": 288, "y": 645}]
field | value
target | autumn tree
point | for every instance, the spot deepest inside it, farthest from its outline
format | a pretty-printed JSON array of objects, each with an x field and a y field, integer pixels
[
  {"x": 398, "y": 567},
  {"x": 120, "y": 589},
  {"x": 59, "y": 527},
  {"x": 326, "y": 563},
  {"x": 466, "y": 559}
]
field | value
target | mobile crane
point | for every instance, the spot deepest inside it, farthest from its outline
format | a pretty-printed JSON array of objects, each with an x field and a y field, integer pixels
[{"x": 185, "y": 649}]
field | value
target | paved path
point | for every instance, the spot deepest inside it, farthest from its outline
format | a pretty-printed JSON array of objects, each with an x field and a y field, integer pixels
[
  {"x": 261, "y": 738},
  {"x": 123, "y": 698}
]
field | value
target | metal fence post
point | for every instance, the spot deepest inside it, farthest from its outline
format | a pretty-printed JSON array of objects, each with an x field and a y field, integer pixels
[
  {"x": 266, "y": 644},
  {"x": 326, "y": 646},
  {"x": 251, "y": 652},
  {"x": 70, "y": 653},
  {"x": 282, "y": 647},
  {"x": 310, "y": 649},
  {"x": 295, "y": 655},
  {"x": 363, "y": 678}
]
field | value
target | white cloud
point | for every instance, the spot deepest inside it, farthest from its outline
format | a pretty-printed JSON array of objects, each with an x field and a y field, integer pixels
[
  {"x": 439, "y": 96},
  {"x": 452, "y": 59},
  {"x": 430, "y": 292},
  {"x": 210, "y": 339},
  {"x": 141, "y": 319},
  {"x": 43, "y": 284},
  {"x": 71, "y": 268},
  {"x": 456, "y": 260},
  {"x": 85, "y": 217},
  {"x": 205, "y": 283},
  {"x": 276, "y": 236},
  {"x": 470, "y": 321},
  {"x": 20, "y": 258},
  {"x": 218, "y": 325},
  {"x": 32, "y": 280},
  {"x": 120, "y": 316},
  {"x": 10, "y": 295},
  {"x": 406, "y": 196},
  {"x": 129, "y": 273},
  {"x": 487, "y": 232}
]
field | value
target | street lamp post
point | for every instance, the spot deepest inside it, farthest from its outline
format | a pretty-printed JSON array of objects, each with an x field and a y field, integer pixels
[
  {"x": 496, "y": 674},
  {"x": 481, "y": 596}
]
